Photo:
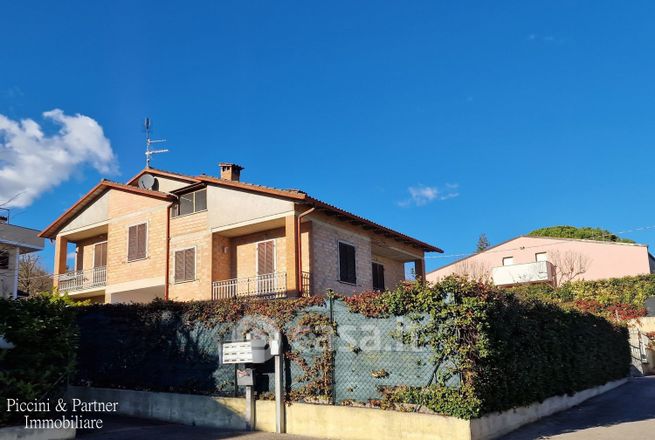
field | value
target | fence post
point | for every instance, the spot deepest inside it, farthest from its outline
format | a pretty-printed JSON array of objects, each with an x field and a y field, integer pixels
[{"x": 333, "y": 390}]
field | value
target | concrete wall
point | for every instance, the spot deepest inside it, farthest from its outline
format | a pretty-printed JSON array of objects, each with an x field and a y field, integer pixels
[
  {"x": 643, "y": 357},
  {"x": 599, "y": 259},
  {"x": 326, "y": 421},
  {"x": 97, "y": 212},
  {"x": 20, "y": 433},
  {"x": 229, "y": 207}
]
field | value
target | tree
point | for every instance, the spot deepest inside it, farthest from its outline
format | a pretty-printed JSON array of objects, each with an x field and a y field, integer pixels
[
  {"x": 483, "y": 243},
  {"x": 569, "y": 265},
  {"x": 32, "y": 276},
  {"x": 585, "y": 233}
]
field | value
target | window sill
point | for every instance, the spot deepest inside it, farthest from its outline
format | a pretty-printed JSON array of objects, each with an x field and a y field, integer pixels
[
  {"x": 137, "y": 259},
  {"x": 185, "y": 281},
  {"x": 186, "y": 215},
  {"x": 347, "y": 283}
]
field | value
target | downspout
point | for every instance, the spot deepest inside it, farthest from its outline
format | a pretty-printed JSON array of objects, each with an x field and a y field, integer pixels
[
  {"x": 299, "y": 249},
  {"x": 168, "y": 249}
]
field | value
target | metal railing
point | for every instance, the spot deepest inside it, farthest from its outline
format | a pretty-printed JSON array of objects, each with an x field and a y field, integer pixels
[
  {"x": 82, "y": 279},
  {"x": 272, "y": 285}
]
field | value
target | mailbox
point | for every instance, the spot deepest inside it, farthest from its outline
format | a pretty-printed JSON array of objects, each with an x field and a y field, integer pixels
[
  {"x": 246, "y": 378},
  {"x": 254, "y": 351}
]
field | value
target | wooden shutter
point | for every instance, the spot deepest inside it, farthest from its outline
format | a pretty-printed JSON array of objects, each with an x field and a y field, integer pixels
[
  {"x": 347, "y": 271},
  {"x": 185, "y": 265},
  {"x": 179, "y": 266},
  {"x": 190, "y": 264},
  {"x": 265, "y": 257},
  {"x": 137, "y": 242},
  {"x": 378, "y": 276},
  {"x": 100, "y": 255}
]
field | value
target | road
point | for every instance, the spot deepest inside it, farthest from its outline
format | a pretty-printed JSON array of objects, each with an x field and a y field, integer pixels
[{"x": 626, "y": 412}]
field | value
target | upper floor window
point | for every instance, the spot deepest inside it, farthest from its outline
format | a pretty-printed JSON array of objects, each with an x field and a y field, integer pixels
[
  {"x": 4, "y": 259},
  {"x": 541, "y": 256},
  {"x": 508, "y": 261},
  {"x": 378, "y": 276},
  {"x": 190, "y": 202},
  {"x": 185, "y": 265},
  {"x": 347, "y": 272},
  {"x": 137, "y": 242}
]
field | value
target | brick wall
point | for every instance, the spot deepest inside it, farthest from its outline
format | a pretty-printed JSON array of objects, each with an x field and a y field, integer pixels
[
  {"x": 124, "y": 213},
  {"x": 394, "y": 271},
  {"x": 85, "y": 251},
  {"x": 191, "y": 231}
]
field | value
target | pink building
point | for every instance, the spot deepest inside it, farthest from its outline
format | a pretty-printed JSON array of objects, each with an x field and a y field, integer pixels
[{"x": 551, "y": 260}]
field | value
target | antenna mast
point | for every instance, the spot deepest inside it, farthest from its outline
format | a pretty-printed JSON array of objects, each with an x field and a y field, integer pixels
[{"x": 149, "y": 152}]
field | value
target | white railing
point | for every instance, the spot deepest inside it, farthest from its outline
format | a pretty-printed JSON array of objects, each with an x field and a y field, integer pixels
[
  {"x": 82, "y": 279},
  {"x": 536, "y": 272},
  {"x": 272, "y": 285}
]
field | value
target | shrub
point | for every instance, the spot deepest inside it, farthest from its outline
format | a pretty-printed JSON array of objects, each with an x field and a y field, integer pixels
[
  {"x": 494, "y": 350},
  {"x": 45, "y": 336}
]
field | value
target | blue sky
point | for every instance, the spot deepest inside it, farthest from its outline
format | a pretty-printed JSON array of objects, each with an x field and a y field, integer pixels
[{"x": 441, "y": 120}]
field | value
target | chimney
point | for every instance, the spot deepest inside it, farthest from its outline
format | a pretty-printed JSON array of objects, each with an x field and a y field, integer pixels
[{"x": 230, "y": 171}]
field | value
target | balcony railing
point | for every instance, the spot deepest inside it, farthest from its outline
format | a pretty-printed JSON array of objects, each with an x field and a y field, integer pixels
[
  {"x": 82, "y": 279},
  {"x": 537, "y": 272},
  {"x": 269, "y": 286}
]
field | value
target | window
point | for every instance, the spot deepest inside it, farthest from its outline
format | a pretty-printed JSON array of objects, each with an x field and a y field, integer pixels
[
  {"x": 137, "y": 242},
  {"x": 508, "y": 261},
  {"x": 378, "y": 276},
  {"x": 190, "y": 202},
  {"x": 347, "y": 272},
  {"x": 541, "y": 256},
  {"x": 185, "y": 265},
  {"x": 4, "y": 259}
]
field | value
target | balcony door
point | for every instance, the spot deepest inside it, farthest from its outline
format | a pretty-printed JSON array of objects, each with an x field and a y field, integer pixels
[{"x": 266, "y": 265}]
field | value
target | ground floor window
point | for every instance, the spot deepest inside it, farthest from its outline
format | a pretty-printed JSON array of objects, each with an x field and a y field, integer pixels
[{"x": 378, "y": 276}]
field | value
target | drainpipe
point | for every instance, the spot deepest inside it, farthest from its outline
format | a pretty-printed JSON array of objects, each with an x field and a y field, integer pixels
[
  {"x": 168, "y": 249},
  {"x": 299, "y": 248}
]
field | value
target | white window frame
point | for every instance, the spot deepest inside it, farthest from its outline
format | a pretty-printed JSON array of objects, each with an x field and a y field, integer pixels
[
  {"x": 195, "y": 264},
  {"x": 127, "y": 241},
  {"x": 511, "y": 257},
  {"x": 339, "y": 263},
  {"x": 536, "y": 256}
]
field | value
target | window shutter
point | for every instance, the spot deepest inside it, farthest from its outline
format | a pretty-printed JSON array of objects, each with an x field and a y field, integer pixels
[
  {"x": 265, "y": 257},
  {"x": 100, "y": 255},
  {"x": 131, "y": 245},
  {"x": 179, "y": 266},
  {"x": 142, "y": 228},
  {"x": 347, "y": 269},
  {"x": 378, "y": 276},
  {"x": 190, "y": 265}
]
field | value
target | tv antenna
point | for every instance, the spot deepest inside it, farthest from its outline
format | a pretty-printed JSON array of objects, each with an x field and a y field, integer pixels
[{"x": 149, "y": 151}]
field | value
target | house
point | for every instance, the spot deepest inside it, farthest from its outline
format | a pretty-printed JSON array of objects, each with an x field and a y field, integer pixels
[
  {"x": 182, "y": 237},
  {"x": 14, "y": 241},
  {"x": 528, "y": 259}
]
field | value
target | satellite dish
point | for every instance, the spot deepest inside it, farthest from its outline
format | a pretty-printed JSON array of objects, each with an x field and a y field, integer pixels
[{"x": 147, "y": 181}]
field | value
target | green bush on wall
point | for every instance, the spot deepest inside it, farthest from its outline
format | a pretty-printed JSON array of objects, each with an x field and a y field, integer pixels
[
  {"x": 505, "y": 350},
  {"x": 45, "y": 336}
]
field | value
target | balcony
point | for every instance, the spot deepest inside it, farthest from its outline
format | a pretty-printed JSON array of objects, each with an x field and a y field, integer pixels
[
  {"x": 79, "y": 280},
  {"x": 268, "y": 286},
  {"x": 537, "y": 272}
]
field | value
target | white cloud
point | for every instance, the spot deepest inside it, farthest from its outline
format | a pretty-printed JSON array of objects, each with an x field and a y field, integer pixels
[
  {"x": 32, "y": 162},
  {"x": 421, "y": 195}
]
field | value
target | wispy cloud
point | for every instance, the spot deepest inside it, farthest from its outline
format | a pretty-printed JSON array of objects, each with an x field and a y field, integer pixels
[
  {"x": 545, "y": 39},
  {"x": 32, "y": 162},
  {"x": 421, "y": 195}
]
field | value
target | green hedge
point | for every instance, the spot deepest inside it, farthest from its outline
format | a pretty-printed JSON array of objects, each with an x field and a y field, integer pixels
[
  {"x": 503, "y": 350},
  {"x": 45, "y": 336}
]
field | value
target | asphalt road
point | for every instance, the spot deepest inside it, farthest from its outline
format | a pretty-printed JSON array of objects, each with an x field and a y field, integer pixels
[{"x": 626, "y": 412}]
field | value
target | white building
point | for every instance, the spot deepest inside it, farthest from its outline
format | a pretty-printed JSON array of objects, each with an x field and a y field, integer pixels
[{"x": 14, "y": 241}]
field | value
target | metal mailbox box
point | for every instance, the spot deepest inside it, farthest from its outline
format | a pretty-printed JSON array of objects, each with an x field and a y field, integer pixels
[{"x": 254, "y": 351}]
